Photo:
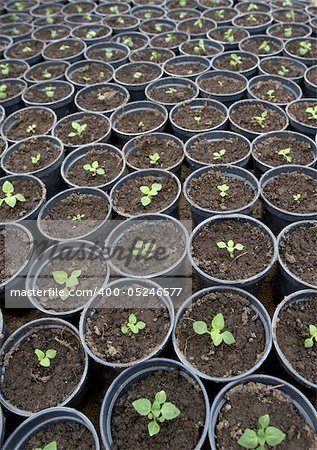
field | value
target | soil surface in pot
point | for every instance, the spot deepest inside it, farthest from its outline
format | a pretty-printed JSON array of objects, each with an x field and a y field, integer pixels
[
  {"x": 294, "y": 49},
  {"x": 194, "y": 48},
  {"x": 155, "y": 27},
  {"x": 132, "y": 41},
  {"x": 298, "y": 252},
  {"x": 37, "y": 94},
  {"x": 185, "y": 69},
  {"x": 157, "y": 55},
  {"x": 42, "y": 73},
  {"x": 255, "y": 256},
  {"x": 286, "y": 31},
  {"x": 107, "y": 55},
  {"x": 147, "y": 14},
  {"x": 42, "y": 387},
  {"x": 182, "y": 14},
  {"x": 196, "y": 26},
  {"x": 291, "y": 332},
  {"x": 52, "y": 34},
  {"x": 97, "y": 127},
  {"x": 127, "y": 199},
  {"x": 182, "y": 391},
  {"x": 244, "y": 405},
  {"x": 62, "y": 433},
  {"x": 244, "y": 116},
  {"x": 139, "y": 74},
  {"x": 91, "y": 73},
  {"x": 254, "y": 6},
  {"x": 139, "y": 121},
  {"x": 20, "y": 161},
  {"x": 280, "y": 93},
  {"x": 170, "y": 40},
  {"x": 120, "y": 22},
  {"x": 2, "y": 146},
  {"x": 108, "y": 10},
  {"x": 200, "y": 118},
  {"x": 191, "y": 4},
  {"x": 83, "y": 33},
  {"x": 170, "y": 152},
  {"x": 261, "y": 46},
  {"x": 281, "y": 189},
  {"x": 14, "y": 250},
  {"x": 221, "y": 35},
  {"x": 15, "y": 31},
  {"x": 240, "y": 319},
  {"x": 297, "y": 111},
  {"x": 11, "y": 70},
  {"x": 224, "y": 62},
  {"x": 103, "y": 98},
  {"x": 282, "y": 16},
  {"x": 39, "y": 120},
  {"x": 103, "y": 333},
  {"x": 267, "y": 151},
  {"x": 108, "y": 160},
  {"x": 81, "y": 8},
  {"x": 172, "y": 94},
  {"x": 221, "y": 15},
  {"x": 33, "y": 194},
  {"x": 312, "y": 76},
  {"x": 10, "y": 90},
  {"x": 218, "y": 151},
  {"x": 63, "y": 50},
  {"x": 221, "y": 84},
  {"x": 25, "y": 50},
  {"x": 252, "y": 20},
  {"x": 285, "y": 68},
  {"x": 203, "y": 192}
]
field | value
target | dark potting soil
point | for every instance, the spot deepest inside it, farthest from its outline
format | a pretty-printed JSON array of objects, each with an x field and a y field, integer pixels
[
  {"x": 47, "y": 10},
  {"x": 298, "y": 252},
  {"x": 16, "y": 51},
  {"x": 97, "y": 127},
  {"x": 42, "y": 387},
  {"x": 219, "y": 35},
  {"x": 33, "y": 194},
  {"x": 127, "y": 199},
  {"x": 221, "y": 15},
  {"x": 224, "y": 63},
  {"x": 108, "y": 10},
  {"x": 18, "y": 30},
  {"x": 83, "y": 19},
  {"x": 106, "y": 55},
  {"x": 210, "y": 117},
  {"x": 193, "y": 48},
  {"x": 139, "y": 74},
  {"x": 155, "y": 27},
  {"x": 111, "y": 163},
  {"x": 83, "y": 33},
  {"x": 178, "y": 94},
  {"x": 203, "y": 192},
  {"x": 222, "y": 84},
  {"x": 169, "y": 150},
  {"x": 63, "y": 433},
  {"x": 133, "y": 42},
  {"x": 42, "y": 73},
  {"x": 81, "y": 8},
  {"x": 255, "y": 256},
  {"x": 215, "y": 3},
  {"x": 15, "y": 70},
  {"x": 293, "y": 48},
  {"x": 196, "y": 26},
  {"x": 247, "y": 402},
  {"x": 20, "y": 161},
  {"x": 292, "y": 330},
  {"x": 283, "y": 31},
  {"x": 157, "y": 55},
  {"x": 48, "y": 34},
  {"x": 58, "y": 222},
  {"x": 312, "y": 76},
  {"x": 240, "y": 319},
  {"x": 148, "y": 14},
  {"x": 298, "y": 112},
  {"x": 185, "y": 69},
  {"x": 120, "y": 22},
  {"x": 254, "y": 46},
  {"x": 252, "y": 20},
  {"x": 191, "y": 4},
  {"x": 23, "y": 6},
  {"x": 280, "y": 93},
  {"x": 182, "y": 14},
  {"x": 170, "y": 40},
  {"x": 37, "y": 94},
  {"x": 260, "y": 7},
  {"x": 182, "y": 433},
  {"x": 103, "y": 98},
  {"x": 41, "y": 118},
  {"x": 281, "y": 16},
  {"x": 64, "y": 49},
  {"x": 14, "y": 250},
  {"x": 244, "y": 116},
  {"x": 91, "y": 73},
  {"x": 280, "y": 190},
  {"x": 12, "y": 90},
  {"x": 208, "y": 151},
  {"x": 139, "y": 122},
  {"x": 267, "y": 151},
  {"x": 103, "y": 333},
  {"x": 273, "y": 68}
]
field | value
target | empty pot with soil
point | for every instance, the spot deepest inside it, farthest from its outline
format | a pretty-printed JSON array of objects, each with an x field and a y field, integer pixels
[
  {"x": 302, "y": 114},
  {"x": 226, "y": 87},
  {"x": 284, "y": 67},
  {"x": 44, "y": 71},
  {"x": 229, "y": 37},
  {"x": 170, "y": 91},
  {"x": 174, "y": 385},
  {"x": 186, "y": 66},
  {"x": 236, "y": 61},
  {"x": 87, "y": 73},
  {"x": 262, "y": 45},
  {"x": 103, "y": 98},
  {"x": 303, "y": 50},
  {"x": 112, "y": 53},
  {"x": 14, "y": 32},
  {"x": 70, "y": 50},
  {"x": 11, "y": 91},
  {"x": 274, "y": 89},
  {"x": 294, "y": 336}
]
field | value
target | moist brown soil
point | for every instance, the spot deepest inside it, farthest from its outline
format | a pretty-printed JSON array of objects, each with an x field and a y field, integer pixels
[
  {"x": 83, "y": 19},
  {"x": 127, "y": 199},
  {"x": 91, "y": 73},
  {"x": 312, "y": 76},
  {"x": 253, "y": 46},
  {"x": 191, "y": 4},
  {"x": 298, "y": 251},
  {"x": 169, "y": 150},
  {"x": 279, "y": 4},
  {"x": 192, "y": 27},
  {"x": 55, "y": 20},
  {"x": 42, "y": 118},
  {"x": 137, "y": 42},
  {"x": 261, "y": 7},
  {"x": 148, "y": 73},
  {"x": 14, "y": 250},
  {"x": 113, "y": 99},
  {"x": 96, "y": 129},
  {"x": 148, "y": 55},
  {"x": 148, "y": 14},
  {"x": 17, "y": 30},
  {"x": 100, "y": 32},
  {"x": 280, "y": 190},
  {"x": 101, "y": 55},
  {"x": 62, "y": 433},
  {"x": 243, "y": 116},
  {"x": 105, "y": 10},
  {"x": 103, "y": 333},
  {"x": 108, "y": 160},
  {"x": 192, "y": 48},
  {"x": 203, "y": 191},
  {"x": 227, "y": 14},
  {"x": 185, "y": 115},
  {"x": 182, "y": 15},
  {"x": 115, "y": 21},
  {"x": 56, "y": 71},
  {"x": 185, "y": 69},
  {"x": 223, "y": 63},
  {"x": 13, "y": 90},
  {"x": 16, "y": 52},
  {"x": 253, "y": 259},
  {"x": 280, "y": 16},
  {"x": 15, "y": 70},
  {"x": 42, "y": 387},
  {"x": 267, "y": 151},
  {"x": 293, "y": 48},
  {"x": 219, "y": 35},
  {"x": 151, "y": 28},
  {"x": 203, "y": 150},
  {"x": 27, "y": 5},
  {"x": 297, "y": 31},
  {"x": 74, "y": 9},
  {"x": 37, "y": 94},
  {"x": 292, "y": 330},
  {"x": 161, "y": 95},
  {"x": 58, "y": 222},
  {"x": 164, "y": 42},
  {"x": 20, "y": 161},
  {"x": 240, "y": 319},
  {"x": 247, "y": 402},
  {"x": 32, "y": 192},
  {"x": 45, "y": 35},
  {"x": 54, "y": 50},
  {"x": 272, "y": 68},
  {"x": 297, "y": 112},
  {"x": 2, "y": 146},
  {"x": 281, "y": 93},
  {"x": 130, "y": 122},
  {"x": 244, "y": 22},
  {"x": 182, "y": 391},
  {"x": 222, "y": 84},
  {"x": 44, "y": 10}
]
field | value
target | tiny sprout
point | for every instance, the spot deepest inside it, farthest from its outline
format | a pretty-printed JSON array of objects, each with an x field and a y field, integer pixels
[
  {"x": 311, "y": 112},
  {"x": 86, "y": 79},
  {"x": 31, "y": 128},
  {"x": 46, "y": 74},
  {"x": 94, "y": 169},
  {"x": 3, "y": 91},
  {"x": 197, "y": 119},
  {"x": 79, "y": 129},
  {"x": 26, "y": 50},
  {"x": 155, "y": 56},
  {"x": 230, "y": 246},
  {"x": 304, "y": 47},
  {"x": 128, "y": 41},
  {"x": 235, "y": 60},
  {"x": 157, "y": 412},
  {"x": 220, "y": 13},
  {"x": 182, "y": 3},
  {"x": 296, "y": 198},
  {"x": 109, "y": 54},
  {"x": 229, "y": 35},
  {"x": 200, "y": 47},
  {"x": 287, "y": 3},
  {"x": 5, "y": 69},
  {"x": 49, "y": 20},
  {"x": 120, "y": 20},
  {"x": 45, "y": 358},
  {"x": 251, "y": 18},
  {"x": 35, "y": 159},
  {"x": 48, "y": 11},
  {"x": 19, "y": 6},
  {"x": 133, "y": 325},
  {"x": 154, "y": 159},
  {"x": 215, "y": 332},
  {"x": 283, "y": 71},
  {"x": 221, "y": 83},
  {"x": 149, "y": 193},
  {"x": 10, "y": 198},
  {"x": 286, "y": 153},
  {"x": 147, "y": 15},
  {"x": 270, "y": 95},
  {"x": 50, "y": 446},
  {"x": 50, "y": 91},
  {"x": 79, "y": 9},
  {"x": 88, "y": 17},
  {"x": 78, "y": 217},
  {"x": 290, "y": 15},
  {"x": 223, "y": 189},
  {"x": 309, "y": 342},
  {"x": 170, "y": 38},
  {"x": 260, "y": 120},
  {"x": 137, "y": 75},
  {"x": 218, "y": 155},
  {"x": 198, "y": 23},
  {"x": 71, "y": 281},
  {"x": 115, "y": 9},
  {"x": 91, "y": 34},
  {"x": 288, "y": 32},
  {"x": 54, "y": 34},
  {"x": 171, "y": 91},
  {"x": 143, "y": 250},
  {"x": 141, "y": 125},
  {"x": 252, "y": 7},
  {"x": 64, "y": 47},
  {"x": 101, "y": 97},
  {"x": 265, "y": 47},
  {"x": 265, "y": 435},
  {"x": 182, "y": 15}
]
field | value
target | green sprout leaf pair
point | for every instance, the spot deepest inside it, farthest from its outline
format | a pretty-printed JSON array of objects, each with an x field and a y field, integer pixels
[
  {"x": 218, "y": 155},
  {"x": 133, "y": 325},
  {"x": 10, "y": 198},
  {"x": 309, "y": 342},
  {"x": 36, "y": 158},
  {"x": 311, "y": 112},
  {"x": 261, "y": 119},
  {"x": 94, "y": 168},
  {"x": 154, "y": 159},
  {"x": 50, "y": 446},
  {"x": 143, "y": 250},
  {"x": 223, "y": 190},
  {"x": 230, "y": 246},
  {"x": 235, "y": 60},
  {"x": 286, "y": 154},
  {"x": 61, "y": 277},
  {"x": 217, "y": 335},
  {"x": 3, "y": 91},
  {"x": 265, "y": 435},
  {"x": 45, "y": 357},
  {"x": 78, "y": 129},
  {"x": 149, "y": 193}
]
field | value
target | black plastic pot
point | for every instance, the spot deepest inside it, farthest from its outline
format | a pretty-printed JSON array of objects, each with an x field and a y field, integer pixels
[
  {"x": 109, "y": 47},
  {"x": 19, "y": 336},
  {"x": 307, "y": 61},
  {"x": 121, "y": 29},
  {"x": 215, "y": 47},
  {"x": 258, "y": 309},
  {"x": 53, "y": 20},
  {"x": 248, "y": 73},
  {"x": 122, "y": 383},
  {"x": 45, "y": 419},
  {"x": 179, "y": 14},
  {"x": 64, "y": 30},
  {"x": 274, "y": 29},
  {"x": 70, "y": 59},
  {"x": 290, "y": 85},
  {"x": 280, "y": 61},
  {"x": 227, "y": 99},
  {"x": 46, "y": 9},
  {"x": 2, "y": 117},
  {"x": 228, "y": 45},
  {"x": 300, "y": 402},
  {"x": 257, "y": 29},
  {"x": 309, "y": 86},
  {"x": 199, "y": 214},
  {"x": 7, "y": 41},
  {"x": 80, "y": 65},
  {"x": 12, "y": 104},
  {"x": 46, "y": 67},
  {"x": 299, "y": 126},
  {"x": 264, "y": 38},
  {"x": 297, "y": 297},
  {"x": 23, "y": 66},
  {"x": 302, "y": 17},
  {"x": 12, "y": 7},
  {"x": 275, "y": 217},
  {"x": 81, "y": 7},
  {"x": 150, "y": 52},
  {"x": 6, "y": 30},
  {"x": 93, "y": 40},
  {"x": 31, "y": 60},
  {"x": 125, "y": 8},
  {"x": 183, "y": 60}
]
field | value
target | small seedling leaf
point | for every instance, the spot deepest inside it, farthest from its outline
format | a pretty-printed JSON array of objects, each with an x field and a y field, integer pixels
[
  {"x": 160, "y": 397},
  {"x": 249, "y": 439},
  {"x": 274, "y": 436},
  {"x": 228, "y": 338},
  {"x": 169, "y": 411},
  {"x": 142, "y": 406},
  {"x": 153, "y": 428},
  {"x": 200, "y": 327},
  {"x": 218, "y": 322}
]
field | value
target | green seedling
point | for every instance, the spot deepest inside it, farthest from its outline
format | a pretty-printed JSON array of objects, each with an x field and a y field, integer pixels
[
  {"x": 91, "y": 34},
  {"x": 200, "y": 47},
  {"x": 143, "y": 250},
  {"x": 230, "y": 246},
  {"x": 287, "y": 3},
  {"x": 64, "y": 47},
  {"x": 31, "y": 129},
  {"x": 19, "y": 6},
  {"x": 154, "y": 159},
  {"x": 309, "y": 342},
  {"x": 229, "y": 35},
  {"x": 114, "y": 9},
  {"x": 218, "y": 155},
  {"x": 88, "y": 17},
  {"x": 15, "y": 31},
  {"x": 221, "y": 83},
  {"x": 311, "y": 112},
  {"x": 61, "y": 277},
  {"x": 182, "y": 3},
  {"x": 147, "y": 15},
  {"x": 79, "y": 9},
  {"x": 290, "y": 15},
  {"x": 223, "y": 189},
  {"x": 296, "y": 198},
  {"x": 48, "y": 11},
  {"x": 46, "y": 74},
  {"x": 86, "y": 79},
  {"x": 109, "y": 54},
  {"x": 27, "y": 50},
  {"x": 265, "y": 47},
  {"x": 36, "y": 159},
  {"x": 252, "y": 7},
  {"x": 198, "y": 23},
  {"x": 120, "y": 20},
  {"x": 133, "y": 325},
  {"x": 157, "y": 412},
  {"x": 283, "y": 71},
  {"x": 235, "y": 60},
  {"x": 304, "y": 48},
  {"x": 94, "y": 168},
  {"x": 5, "y": 69},
  {"x": 141, "y": 125},
  {"x": 251, "y": 18},
  {"x": 260, "y": 120},
  {"x": 197, "y": 119},
  {"x": 288, "y": 32},
  {"x": 137, "y": 75},
  {"x": 49, "y": 20},
  {"x": 50, "y": 446},
  {"x": 10, "y": 198},
  {"x": 78, "y": 129},
  {"x": 78, "y": 217},
  {"x": 3, "y": 91},
  {"x": 217, "y": 335},
  {"x": 53, "y": 34},
  {"x": 101, "y": 97},
  {"x": 155, "y": 56},
  {"x": 149, "y": 193},
  {"x": 45, "y": 357},
  {"x": 171, "y": 91},
  {"x": 270, "y": 95},
  {"x": 169, "y": 38},
  {"x": 220, "y": 14},
  {"x": 50, "y": 91},
  {"x": 286, "y": 154},
  {"x": 265, "y": 435},
  {"x": 182, "y": 15},
  {"x": 129, "y": 42}
]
